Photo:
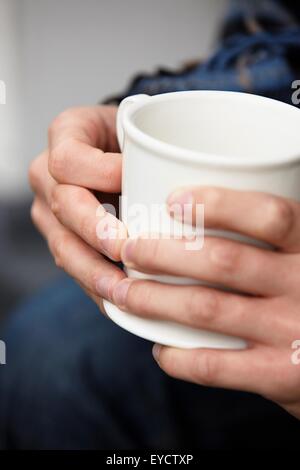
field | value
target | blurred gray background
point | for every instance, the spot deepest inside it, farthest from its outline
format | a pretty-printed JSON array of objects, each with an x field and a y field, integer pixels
[{"x": 60, "y": 53}]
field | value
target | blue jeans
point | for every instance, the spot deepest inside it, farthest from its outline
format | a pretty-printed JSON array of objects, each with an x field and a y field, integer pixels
[{"x": 74, "y": 380}]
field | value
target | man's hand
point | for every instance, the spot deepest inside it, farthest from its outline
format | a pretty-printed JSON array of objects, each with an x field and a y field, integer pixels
[
  {"x": 263, "y": 305},
  {"x": 82, "y": 153}
]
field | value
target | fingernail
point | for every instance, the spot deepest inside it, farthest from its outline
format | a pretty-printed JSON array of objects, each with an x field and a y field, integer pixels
[
  {"x": 156, "y": 352},
  {"x": 128, "y": 252},
  {"x": 108, "y": 242},
  {"x": 104, "y": 287},
  {"x": 111, "y": 232},
  {"x": 180, "y": 196},
  {"x": 181, "y": 205},
  {"x": 120, "y": 292}
]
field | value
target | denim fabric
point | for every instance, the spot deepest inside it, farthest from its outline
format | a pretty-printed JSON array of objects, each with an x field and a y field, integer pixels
[
  {"x": 259, "y": 53},
  {"x": 74, "y": 380},
  {"x": 254, "y": 64}
]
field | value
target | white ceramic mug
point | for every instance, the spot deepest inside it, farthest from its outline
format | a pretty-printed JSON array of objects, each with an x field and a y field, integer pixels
[{"x": 217, "y": 138}]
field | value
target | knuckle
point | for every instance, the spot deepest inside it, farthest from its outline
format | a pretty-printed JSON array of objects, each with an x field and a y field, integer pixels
[
  {"x": 58, "y": 159},
  {"x": 80, "y": 196},
  {"x": 225, "y": 256},
  {"x": 150, "y": 254},
  {"x": 140, "y": 302},
  {"x": 86, "y": 229},
  {"x": 57, "y": 247},
  {"x": 209, "y": 307},
  {"x": 278, "y": 218},
  {"x": 90, "y": 279},
  {"x": 35, "y": 212},
  {"x": 202, "y": 307},
  {"x": 33, "y": 174},
  {"x": 61, "y": 120},
  {"x": 93, "y": 278},
  {"x": 56, "y": 198},
  {"x": 207, "y": 367},
  {"x": 213, "y": 198},
  {"x": 241, "y": 309},
  {"x": 79, "y": 202}
]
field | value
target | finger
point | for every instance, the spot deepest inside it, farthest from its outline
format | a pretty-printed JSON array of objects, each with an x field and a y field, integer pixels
[
  {"x": 244, "y": 370},
  {"x": 98, "y": 300},
  {"x": 90, "y": 294},
  {"x": 221, "y": 262},
  {"x": 40, "y": 179},
  {"x": 199, "y": 307},
  {"x": 74, "y": 256},
  {"x": 94, "y": 125},
  {"x": 77, "y": 143},
  {"x": 73, "y": 162},
  {"x": 266, "y": 217},
  {"x": 79, "y": 210}
]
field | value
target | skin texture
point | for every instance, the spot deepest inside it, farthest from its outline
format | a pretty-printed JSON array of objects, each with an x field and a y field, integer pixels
[
  {"x": 263, "y": 305},
  {"x": 81, "y": 159}
]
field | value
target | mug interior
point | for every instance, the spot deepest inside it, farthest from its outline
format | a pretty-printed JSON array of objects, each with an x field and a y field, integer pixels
[{"x": 222, "y": 123}]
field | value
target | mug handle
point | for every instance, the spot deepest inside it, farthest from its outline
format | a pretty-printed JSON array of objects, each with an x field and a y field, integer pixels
[{"x": 124, "y": 105}]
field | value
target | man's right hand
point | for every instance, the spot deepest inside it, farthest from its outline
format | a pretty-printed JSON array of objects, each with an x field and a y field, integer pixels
[{"x": 82, "y": 157}]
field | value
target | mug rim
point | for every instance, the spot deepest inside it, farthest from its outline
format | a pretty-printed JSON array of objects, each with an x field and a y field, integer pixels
[{"x": 174, "y": 152}]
